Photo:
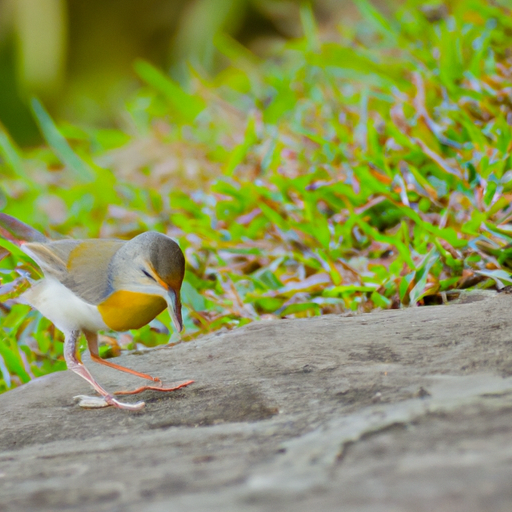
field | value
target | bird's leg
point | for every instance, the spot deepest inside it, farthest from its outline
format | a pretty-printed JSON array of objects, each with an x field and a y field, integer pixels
[
  {"x": 92, "y": 342},
  {"x": 74, "y": 364}
]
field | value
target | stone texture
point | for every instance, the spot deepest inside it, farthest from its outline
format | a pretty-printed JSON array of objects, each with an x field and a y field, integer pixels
[{"x": 400, "y": 411}]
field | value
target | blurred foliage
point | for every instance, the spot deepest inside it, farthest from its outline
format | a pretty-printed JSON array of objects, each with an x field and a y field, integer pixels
[
  {"x": 78, "y": 56},
  {"x": 367, "y": 170}
]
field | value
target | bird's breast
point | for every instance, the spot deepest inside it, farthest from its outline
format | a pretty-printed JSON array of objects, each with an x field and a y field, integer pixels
[{"x": 125, "y": 310}]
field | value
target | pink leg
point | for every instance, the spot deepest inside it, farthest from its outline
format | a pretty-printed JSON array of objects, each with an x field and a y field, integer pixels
[
  {"x": 92, "y": 342},
  {"x": 74, "y": 364},
  {"x": 97, "y": 359}
]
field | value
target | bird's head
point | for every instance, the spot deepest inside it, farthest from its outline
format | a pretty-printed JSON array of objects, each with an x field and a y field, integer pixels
[{"x": 152, "y": 263}]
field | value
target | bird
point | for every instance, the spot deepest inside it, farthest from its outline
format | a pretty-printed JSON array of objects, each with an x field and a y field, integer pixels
[{"x": 102, "y": 284}]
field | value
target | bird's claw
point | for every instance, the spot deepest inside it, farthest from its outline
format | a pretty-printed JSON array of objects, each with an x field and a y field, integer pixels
[{"x": 160, "y": 387}]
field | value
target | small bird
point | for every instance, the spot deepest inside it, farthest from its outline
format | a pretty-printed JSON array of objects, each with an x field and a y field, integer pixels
[{"x": 97, "y": 284}]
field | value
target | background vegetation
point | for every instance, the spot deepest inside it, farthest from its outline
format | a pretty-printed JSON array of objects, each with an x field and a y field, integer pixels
[{"x": 363, "y": 168}]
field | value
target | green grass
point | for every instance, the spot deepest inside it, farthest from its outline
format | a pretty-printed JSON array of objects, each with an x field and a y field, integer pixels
[{"x": 367, "y": 170}]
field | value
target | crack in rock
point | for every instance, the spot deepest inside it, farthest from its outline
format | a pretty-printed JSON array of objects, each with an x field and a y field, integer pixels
[{"x": 307, "y": 461}]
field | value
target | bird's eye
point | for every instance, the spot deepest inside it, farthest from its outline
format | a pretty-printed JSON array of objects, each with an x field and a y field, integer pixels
[{"x": 147, "y": 274}]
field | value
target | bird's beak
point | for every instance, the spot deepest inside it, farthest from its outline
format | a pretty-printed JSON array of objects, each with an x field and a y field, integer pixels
[{"x": 174, "y": 303}]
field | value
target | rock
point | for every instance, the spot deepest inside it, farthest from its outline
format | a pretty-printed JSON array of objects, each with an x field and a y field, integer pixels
[{"x": 405, "y": 410}]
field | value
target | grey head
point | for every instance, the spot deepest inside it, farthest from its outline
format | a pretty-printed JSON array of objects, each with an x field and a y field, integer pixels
[{"x": 150, "y": 263}]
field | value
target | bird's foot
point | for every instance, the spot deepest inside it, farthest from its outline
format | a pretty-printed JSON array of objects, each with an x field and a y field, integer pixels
[
  {"x": 155, "y": 388},
  {"x": 98, "y": 402}
]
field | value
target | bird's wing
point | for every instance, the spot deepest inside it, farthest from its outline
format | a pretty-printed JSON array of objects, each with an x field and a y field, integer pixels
[{"x": 80, "y": 265}]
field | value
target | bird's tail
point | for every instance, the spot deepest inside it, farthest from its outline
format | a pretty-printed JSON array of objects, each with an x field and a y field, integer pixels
[{"x": 18, "y": 232}]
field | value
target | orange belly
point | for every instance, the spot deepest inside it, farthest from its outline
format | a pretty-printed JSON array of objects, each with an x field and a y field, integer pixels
[{"x": 130, "y": 310}]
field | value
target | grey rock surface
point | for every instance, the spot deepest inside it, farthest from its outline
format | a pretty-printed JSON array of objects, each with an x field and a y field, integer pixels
[{"x": 400, "y": 411}]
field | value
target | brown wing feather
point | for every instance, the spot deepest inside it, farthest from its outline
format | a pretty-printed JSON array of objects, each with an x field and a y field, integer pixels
[
  {"x": 80, "y": 265},
  {"x": 52, "y": 257}
]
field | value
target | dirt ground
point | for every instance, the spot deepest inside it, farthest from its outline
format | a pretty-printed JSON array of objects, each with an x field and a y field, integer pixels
[{"x": 392, "y": 411}]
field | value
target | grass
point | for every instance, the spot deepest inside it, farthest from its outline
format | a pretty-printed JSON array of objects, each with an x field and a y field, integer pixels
[{"x": 367, "y": 170}]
